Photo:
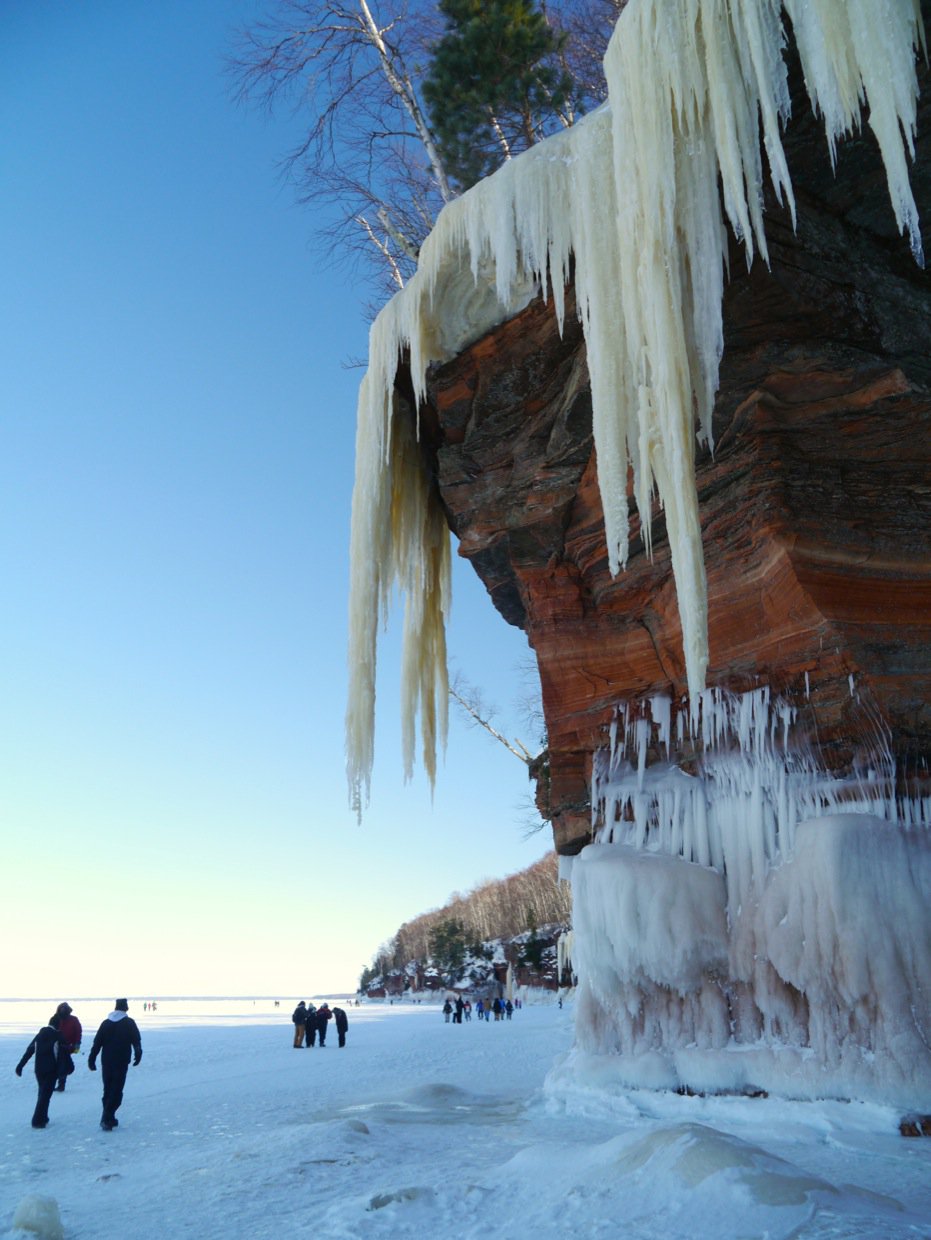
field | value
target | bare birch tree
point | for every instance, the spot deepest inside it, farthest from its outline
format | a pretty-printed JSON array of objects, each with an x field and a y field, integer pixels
[{"x": 351, "y": 72}]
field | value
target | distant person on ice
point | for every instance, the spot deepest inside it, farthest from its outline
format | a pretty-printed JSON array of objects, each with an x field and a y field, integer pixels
[
  {"x": 116, "y": 1041},
  {"x": 299, "y": 1018},
  {"x": 45, "y": 1046},
  {"x": 311, "y": 1027},
  {"x": 323, "y": 1015},
  {"x": 341, "y": 1020},
  {"x": 70, "y": 1030}
]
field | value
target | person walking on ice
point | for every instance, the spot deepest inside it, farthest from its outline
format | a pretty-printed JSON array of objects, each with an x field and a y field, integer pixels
[
  {"x": 46, "y": 1048},
  {"x": 71, "y": 1033},
  {"x": 116, "y": 1041}
]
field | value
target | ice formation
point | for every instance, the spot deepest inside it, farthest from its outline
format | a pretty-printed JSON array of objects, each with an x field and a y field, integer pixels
[
  {"x": 38, "y": 1217},
  {"x": 757, "y": 923},
  {"x": 633, "y": 195}
]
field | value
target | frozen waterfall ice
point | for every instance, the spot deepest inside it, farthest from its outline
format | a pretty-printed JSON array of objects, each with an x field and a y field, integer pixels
[
  {"x": 757, "y": 923},
  {"x": 637, "y": 196}
]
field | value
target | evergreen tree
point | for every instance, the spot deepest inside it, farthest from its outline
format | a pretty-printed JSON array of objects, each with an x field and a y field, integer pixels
[
  {"x": 494, "y": 86},
  {"x": 448, "y": 947}
]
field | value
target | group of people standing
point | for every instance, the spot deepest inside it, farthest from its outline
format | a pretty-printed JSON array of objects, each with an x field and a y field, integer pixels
[
  {"x": 501, "y": 1009},
  {"x": 116, "y": 1042},
  {"x": 310, "y": 1023}
]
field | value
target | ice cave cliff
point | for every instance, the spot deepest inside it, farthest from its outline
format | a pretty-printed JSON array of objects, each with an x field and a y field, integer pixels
[{"x": 691, "y": 461}]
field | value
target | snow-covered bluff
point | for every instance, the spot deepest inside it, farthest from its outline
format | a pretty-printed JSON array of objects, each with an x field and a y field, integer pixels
[
  {"x": 523, "y": 963},
  {"x": 814, "y": 514}
]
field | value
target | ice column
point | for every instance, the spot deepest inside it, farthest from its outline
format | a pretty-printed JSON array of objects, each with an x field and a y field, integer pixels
[{"x": 758, "y": 923}]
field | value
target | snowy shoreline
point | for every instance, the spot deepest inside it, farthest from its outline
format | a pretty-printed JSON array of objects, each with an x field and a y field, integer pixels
[{"x": 418, "y": 1125}]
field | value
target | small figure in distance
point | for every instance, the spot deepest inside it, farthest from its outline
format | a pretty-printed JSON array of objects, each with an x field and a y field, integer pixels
[
  {"x": 447, "y": 1011},
  {"x": 115, "y": 1041},
  {"x": 311, "y": 1025},
  {"x": 341, "y": 1021},
  {"x": 45, "y": 1046},
  {"x": 323, "y": 1015},
  {"x": 70, "y": 1031},
  {"x": 299, "y": 1019}
]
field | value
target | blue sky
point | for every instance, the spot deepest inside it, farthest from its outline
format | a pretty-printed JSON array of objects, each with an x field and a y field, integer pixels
[{"x": 176, "y": 456}]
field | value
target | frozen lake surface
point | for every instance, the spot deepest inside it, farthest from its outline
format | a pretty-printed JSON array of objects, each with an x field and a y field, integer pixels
[{"x": 418, "y": 1127}]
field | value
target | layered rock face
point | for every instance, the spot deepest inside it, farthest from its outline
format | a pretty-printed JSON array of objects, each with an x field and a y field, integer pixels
[{"x": 815, "y": 504}]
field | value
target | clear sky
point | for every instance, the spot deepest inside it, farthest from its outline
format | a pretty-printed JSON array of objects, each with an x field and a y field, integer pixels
[{"x": 176, "y": 456}]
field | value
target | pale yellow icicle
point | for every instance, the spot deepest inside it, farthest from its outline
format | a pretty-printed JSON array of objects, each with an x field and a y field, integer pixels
[{"x": 632, "y": 195}]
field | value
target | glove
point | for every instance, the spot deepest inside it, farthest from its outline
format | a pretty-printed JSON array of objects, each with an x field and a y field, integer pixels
[
  {"x": 92, "y": 1065},
  {"x": 19, "y": 1069},
  {"x": 136, "y": 1060}
]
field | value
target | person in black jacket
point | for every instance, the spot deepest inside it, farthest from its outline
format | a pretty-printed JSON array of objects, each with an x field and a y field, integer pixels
[
  {"x": 299, "y": 1020},
  {"x": 46, "y": 1047},
  {"x": 115, "y": 1041},
  {"x": 323, "y": 1015},
  {"x": 342, "y": 1024}
]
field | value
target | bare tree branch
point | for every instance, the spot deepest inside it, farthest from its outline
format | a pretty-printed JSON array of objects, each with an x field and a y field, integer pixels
[
  {"x": 470, "y": 701},
  {"x": 350, "y": 71},
  {"x": 383, "y": 248}
]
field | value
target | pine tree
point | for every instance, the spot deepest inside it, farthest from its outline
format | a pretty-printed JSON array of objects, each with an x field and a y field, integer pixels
[
  {"x": 448, "y": 947},
  {"x": 494, "y": 85}
]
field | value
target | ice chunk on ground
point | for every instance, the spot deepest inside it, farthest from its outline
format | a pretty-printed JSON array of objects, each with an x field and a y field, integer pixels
[{"x": 38, "y": 1216}]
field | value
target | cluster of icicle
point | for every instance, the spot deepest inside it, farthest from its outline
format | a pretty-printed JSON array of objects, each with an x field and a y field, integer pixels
[
  {"x": 751, "y": 780},
  {"x": 757, "y": 922},
  {"x": 634, "y": 195}
]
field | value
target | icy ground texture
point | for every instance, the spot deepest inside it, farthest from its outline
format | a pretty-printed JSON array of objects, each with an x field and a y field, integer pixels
[
  {"x": 631, "y": 195},
  {"x": 419, "y": 1129},
  {"x": 757, "y": 924}
]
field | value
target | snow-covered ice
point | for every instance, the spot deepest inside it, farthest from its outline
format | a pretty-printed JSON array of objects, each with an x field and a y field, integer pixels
[{"x": 420, "y": 1128}]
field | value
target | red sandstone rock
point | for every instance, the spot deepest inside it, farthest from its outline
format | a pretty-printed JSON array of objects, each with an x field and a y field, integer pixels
[{"x": 816, "y": 506}]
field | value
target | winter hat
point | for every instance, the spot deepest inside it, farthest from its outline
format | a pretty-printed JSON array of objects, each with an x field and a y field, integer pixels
[{"x": 121, "y": 1005}]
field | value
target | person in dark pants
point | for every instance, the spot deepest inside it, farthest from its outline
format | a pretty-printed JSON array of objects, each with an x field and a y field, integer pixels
[
  {"x": 341, "y": 1020},
  {"x": 71, "y": 1032},
  {"x": 323, "y": 1015},
  {"x": 299, "y": 1020},
  {"x": 311, "y": 1025},
  {"x": 116, "y": 1041},
  {"x": 45, "y": 1046}
]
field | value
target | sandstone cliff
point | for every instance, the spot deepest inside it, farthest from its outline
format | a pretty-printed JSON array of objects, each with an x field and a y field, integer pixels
[{"x": 815, "y": 506}]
